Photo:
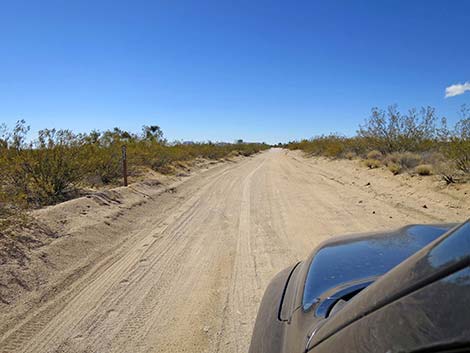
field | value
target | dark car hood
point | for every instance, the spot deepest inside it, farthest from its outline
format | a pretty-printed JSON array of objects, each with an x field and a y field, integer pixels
[
  {"x": 363, "y": 258},
  {"x": 445, "y": 255}
]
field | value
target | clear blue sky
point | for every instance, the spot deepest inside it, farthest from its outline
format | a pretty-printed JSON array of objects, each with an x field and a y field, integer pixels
[{"x": 220, "y": 70}]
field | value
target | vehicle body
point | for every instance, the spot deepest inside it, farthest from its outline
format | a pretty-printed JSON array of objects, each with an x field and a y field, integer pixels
[{"x": 400, "y": 291}]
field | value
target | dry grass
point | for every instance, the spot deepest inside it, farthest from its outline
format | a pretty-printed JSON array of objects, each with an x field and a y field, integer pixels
[
  {"x": 424, "y": 169},
  {"x": 394, "y": 168},
  {"x": 374, "y": 155},
  {"x": 372, "y": 163},
  {"x": 406, "y": 160}
]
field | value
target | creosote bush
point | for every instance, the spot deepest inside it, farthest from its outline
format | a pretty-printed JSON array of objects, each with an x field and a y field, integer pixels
[
  {"x": 53, "y": 166},
  {"x": 403, "y": 141}
]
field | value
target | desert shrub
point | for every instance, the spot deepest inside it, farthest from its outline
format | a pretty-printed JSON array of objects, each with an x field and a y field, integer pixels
[
  {"x": 391, "y": 158},
  {"x": 409, "y": 160},
  {"x": 350, "y": 155},
  {"x": 102, "y": 163},
  {"x": 332, "y": 146},
  {"x": 374, "y": 155},
  {"x": 41, "y": 172},
  {"x": 385, "y": 131},
  {"x": 406, "y": 160},
  {"x": 458, "y": 147},
  {"x": 57, "y": 163},
  {"x": 394, "y": 168},
  {"x": 392, "y": 131},
  {"x": 433, "y": 157},
  {"x": 406, "y": 140},
  {"x": 459, "y": 151},
  {"x": 424, "y": 169},
  {"x": 447, "y": 170},
  {"x": 52, "y": 166},
  {"x": 372, "y": 163}
]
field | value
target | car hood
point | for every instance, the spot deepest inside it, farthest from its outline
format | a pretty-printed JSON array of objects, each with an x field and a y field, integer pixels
[
  {"x": 360, "y": 259},
  {"x": 445, "y": 255}
]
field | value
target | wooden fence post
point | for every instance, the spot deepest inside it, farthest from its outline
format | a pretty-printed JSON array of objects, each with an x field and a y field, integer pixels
[{"x": 124, "y": 164}]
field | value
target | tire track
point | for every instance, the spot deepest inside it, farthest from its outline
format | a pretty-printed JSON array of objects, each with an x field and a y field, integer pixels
[{"x": 192, "y": 272}]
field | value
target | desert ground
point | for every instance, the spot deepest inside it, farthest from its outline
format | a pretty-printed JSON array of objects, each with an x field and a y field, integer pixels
[{"x": 181, "y": 266}]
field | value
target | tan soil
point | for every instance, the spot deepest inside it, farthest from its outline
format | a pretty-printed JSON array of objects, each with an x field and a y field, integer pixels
[{"x": 182, "y": 266}]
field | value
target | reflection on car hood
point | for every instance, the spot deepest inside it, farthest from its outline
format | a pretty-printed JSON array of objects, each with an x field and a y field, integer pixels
[
  {"x": 447, "y": 255},
  {"x": 364, "y": 257}
]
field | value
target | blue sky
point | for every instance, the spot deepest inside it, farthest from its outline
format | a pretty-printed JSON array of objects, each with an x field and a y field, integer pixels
[{"x": 220, "y": 70}]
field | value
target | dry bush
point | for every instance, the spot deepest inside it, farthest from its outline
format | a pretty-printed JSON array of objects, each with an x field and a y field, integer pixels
[
  {"x": 394, "y": 168},
  {"x": 392, "y": 131},
  {"x": 424, "y": 169},
  {"x": 58, "y": 163},
  {"x": 102, "y": 165},
  {"x": 459, "y": 152},
  {"x": 407, "y": 160},
  {"x": 332, "y": 146},
  {"x": 406, "y": 140},
  {"x": 350, "y": 155},
  {"x": 374, "y": 155},
  {"x": 433, "y": 157},
  {"x": 458, "y": 148},
  {"x": 392, "y": 158},
  {"x": 447, "y": 170},
  {"x": 372, "y": 163}
]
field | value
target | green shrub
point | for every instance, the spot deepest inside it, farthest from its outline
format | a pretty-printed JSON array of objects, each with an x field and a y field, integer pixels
[
  {"x": 52, "y": 166},
  {"x": 102, "y": 163},
  {"x": 401, "y": 139},
  {"x": 458, "y": 148},
  {"x": 392, "y": 131},
  {"x": 332, "y": 146},
  {"x": 57, "y": 163}
]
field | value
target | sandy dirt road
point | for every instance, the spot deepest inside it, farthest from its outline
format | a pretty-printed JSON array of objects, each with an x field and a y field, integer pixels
[{"x": 195, "y": 263}]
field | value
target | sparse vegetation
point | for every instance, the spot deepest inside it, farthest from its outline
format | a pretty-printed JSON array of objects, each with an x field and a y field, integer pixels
[
  {"x": 424, "y": 169},
  {"x": 372, "y": 163},
  {"x": 413, "y": 141},
  {"x": 57, "y": 164},
  {"x": 394, "y": 168},
  {"x": 406, "y": 160},
  {"x": 374, "y": 155}
]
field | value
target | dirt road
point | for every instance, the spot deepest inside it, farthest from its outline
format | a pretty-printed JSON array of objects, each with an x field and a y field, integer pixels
[{"x": 190, "y": 273}]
